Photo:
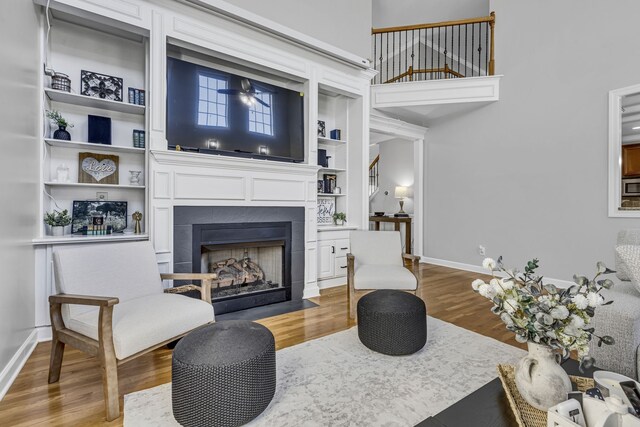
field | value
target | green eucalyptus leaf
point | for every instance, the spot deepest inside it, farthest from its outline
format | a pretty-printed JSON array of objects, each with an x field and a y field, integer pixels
[
  {"x": 606, "y": 283},
  {"x": 580, "y": 280},
  {"x": 601, "y": 267},
  {"x": 608, "y": 340}
]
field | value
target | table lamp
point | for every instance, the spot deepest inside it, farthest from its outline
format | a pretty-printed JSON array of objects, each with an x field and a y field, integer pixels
[{"x": 401, "y": 193}]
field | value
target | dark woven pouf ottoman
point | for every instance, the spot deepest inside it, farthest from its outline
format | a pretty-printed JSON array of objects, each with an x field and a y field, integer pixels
[
  {"x": 392, "y": 322},
  {"x": 223, "y": 374}
]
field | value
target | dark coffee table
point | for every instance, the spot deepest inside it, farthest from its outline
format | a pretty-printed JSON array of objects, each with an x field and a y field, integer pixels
[{"x": 488, "y": 406}]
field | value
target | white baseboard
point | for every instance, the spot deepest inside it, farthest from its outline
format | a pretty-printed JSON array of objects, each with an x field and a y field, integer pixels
[
  {"x": 480, "y": 270},
  {"x": 44, "y": 333},
  {"x": 311, "y": 290},
  {"x": 332, "y": 283},
  {"x": 11, "y": 371}
]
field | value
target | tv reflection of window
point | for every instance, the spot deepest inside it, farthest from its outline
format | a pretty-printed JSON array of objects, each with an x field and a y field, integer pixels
[
  {"x": 212, "y": 105},
  {"x": 260, "y": 117}
]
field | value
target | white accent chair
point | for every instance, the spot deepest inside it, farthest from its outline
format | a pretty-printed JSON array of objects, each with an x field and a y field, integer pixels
[
  {"x": 376, "y": 262},
  {"x": 111, "y": 305}
]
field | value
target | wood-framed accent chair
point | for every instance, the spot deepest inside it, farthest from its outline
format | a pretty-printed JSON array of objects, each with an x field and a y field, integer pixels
[
  {"x": 376, "y": 262},
  {"x": 111, "y": 305}
]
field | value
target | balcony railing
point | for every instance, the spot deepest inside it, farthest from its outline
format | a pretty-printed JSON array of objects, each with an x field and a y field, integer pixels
[{"x": 442, "y": 50}]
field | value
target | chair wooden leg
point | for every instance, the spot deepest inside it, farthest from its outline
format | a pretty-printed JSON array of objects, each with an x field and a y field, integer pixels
[
  {"x": 55, "y": 363},
  {"x": 108, "y": 363},
  {"x": 352, "y": 303},
  {"x": 110, "y": 387}
]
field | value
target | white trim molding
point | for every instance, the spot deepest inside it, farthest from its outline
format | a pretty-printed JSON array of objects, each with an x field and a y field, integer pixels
[
  {"x": 11, "y": 371},
  {"x": 615, "y": 152},
  {"x": 416, "y": 134},
  {"x": 480, "y": 270},
  {"x": 436, "y": 92}
]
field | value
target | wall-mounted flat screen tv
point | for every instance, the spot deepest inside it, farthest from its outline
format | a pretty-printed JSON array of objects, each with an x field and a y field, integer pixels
[{"x": 216, "y": 112}]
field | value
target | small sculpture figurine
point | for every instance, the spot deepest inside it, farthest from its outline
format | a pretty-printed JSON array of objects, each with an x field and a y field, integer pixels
[
  {"x": 137, "y": 217},
  {"x": 134, "y": 179}
]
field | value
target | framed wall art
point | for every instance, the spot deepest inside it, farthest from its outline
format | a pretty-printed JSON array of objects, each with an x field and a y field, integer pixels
[
  {"x": 101, "y": 85},
  {"x": 114, "y": 214},
  {"x": 98, "y": 168},
  {"x": 326, "y": 209}
]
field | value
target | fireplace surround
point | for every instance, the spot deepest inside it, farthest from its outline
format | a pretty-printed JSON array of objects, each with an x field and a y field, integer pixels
[{"x": 231, "y": 238}]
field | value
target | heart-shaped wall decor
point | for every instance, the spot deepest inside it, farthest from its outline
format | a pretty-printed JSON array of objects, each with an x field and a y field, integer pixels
[{"x": 99, "y": 169}]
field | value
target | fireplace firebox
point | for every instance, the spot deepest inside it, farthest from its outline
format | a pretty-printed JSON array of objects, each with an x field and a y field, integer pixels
[{"x": 252, "y": 261}]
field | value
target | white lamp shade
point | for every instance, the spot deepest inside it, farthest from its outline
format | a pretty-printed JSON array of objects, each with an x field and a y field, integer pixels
[{"x": 401, "y": 192}]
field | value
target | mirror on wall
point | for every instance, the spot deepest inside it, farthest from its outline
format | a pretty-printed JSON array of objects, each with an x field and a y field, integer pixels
[{"x": 624, "y": 152}]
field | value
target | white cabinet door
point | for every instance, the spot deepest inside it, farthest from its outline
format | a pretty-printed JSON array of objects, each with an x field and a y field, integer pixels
[{"x": 326, "y": 259}]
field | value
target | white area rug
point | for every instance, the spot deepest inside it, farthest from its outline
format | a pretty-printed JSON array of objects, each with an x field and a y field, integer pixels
[{"x": 337, "y": 381}]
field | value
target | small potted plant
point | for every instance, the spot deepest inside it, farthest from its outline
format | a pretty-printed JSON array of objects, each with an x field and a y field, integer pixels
[
  {"x": 57, "y": 221},
  {"x": 62, "y": 123},
  {"x": 339, "y": 218}
]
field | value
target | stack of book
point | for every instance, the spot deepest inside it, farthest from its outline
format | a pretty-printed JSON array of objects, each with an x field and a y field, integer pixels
[
  {"x": 136, "y": 96},
  {"x": 138, "y": 138}
]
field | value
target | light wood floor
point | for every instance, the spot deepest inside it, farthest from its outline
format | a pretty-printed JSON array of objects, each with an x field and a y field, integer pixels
[{"x": 77, "y": 399}]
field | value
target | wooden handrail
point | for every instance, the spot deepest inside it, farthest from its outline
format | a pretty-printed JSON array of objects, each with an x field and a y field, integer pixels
[
  {"x": 490, "y": 19},
  {"x": 374, "y": 162},
  {"x": 411, "y": 71}
]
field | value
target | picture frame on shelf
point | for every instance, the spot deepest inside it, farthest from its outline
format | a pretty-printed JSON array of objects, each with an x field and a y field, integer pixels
[
  {"x": 322, "y": 128},
  {"x": 101, "y": 86},
  {"x": 114, "y": 214},
  {"x": 96, "y": 168},
  {"x": 326, "y": 209}
]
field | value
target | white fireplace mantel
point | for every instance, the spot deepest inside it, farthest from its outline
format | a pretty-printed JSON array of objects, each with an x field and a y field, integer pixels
[{"x": 192, "y": 179}]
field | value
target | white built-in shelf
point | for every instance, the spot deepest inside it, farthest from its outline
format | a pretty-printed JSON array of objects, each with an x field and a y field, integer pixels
[
  {"x": 336, "y": 170},
  {"x": 89, "y": 185},
  {"x": 91, "y": 146},
  {"x": 93, "y": 102},
  {"x": 331, "y": 195},
  {"x": 74, "y": 238},
  {"x": 329, "y": 141}
]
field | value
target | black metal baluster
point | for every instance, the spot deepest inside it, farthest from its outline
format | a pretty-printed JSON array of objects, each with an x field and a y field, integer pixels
[
  {"x": 413, "y": 44},
  {"x": 486, "y": 48},
  {"x": 473, "y": 43},
  {"x": 406, "y": 51},
  {"x": 387, "y": 76},
  {"x": 466, "y": 38},
  {"x": 452, "y": 37},
  {"x": 380, "y": 62},
  {"x": 459, "y": 53},
  {"x": 445, "y": 50},
  {"x": 433, "y": 42},
  {"x": 419, "y": 31},
  {"x": 375, "y": 42},
  {"x": 393, "y": 55}
]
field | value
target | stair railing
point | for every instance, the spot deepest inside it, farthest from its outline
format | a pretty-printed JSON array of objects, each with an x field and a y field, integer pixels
[
  {"x": 373, "y": 175},
  {"x": 441, "y": 50}
]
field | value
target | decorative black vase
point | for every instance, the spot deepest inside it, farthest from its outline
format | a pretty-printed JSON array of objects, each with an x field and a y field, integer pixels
[{"x": 62, "y": 134}]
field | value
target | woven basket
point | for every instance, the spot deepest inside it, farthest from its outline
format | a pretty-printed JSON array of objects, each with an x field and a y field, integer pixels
[{"x": 527, "y": 415}]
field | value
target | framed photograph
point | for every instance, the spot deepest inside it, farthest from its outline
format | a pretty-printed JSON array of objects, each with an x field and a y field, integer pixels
[
  {"x": 112, "y": 213},
  {"x": 101, "y": 85},
  {"x": 326, "y": 209},
  {"x": 322, "y": 131},
  {"x": 96, "y": 168}
]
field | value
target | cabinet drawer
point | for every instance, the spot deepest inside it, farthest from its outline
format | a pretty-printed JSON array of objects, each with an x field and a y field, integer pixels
[
  {"x": 342, "y": 247},
  {"x": 341, "y": 266}
]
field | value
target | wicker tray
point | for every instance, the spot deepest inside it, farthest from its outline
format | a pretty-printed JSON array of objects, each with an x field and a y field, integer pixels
[{"x": 527, "y": 415}]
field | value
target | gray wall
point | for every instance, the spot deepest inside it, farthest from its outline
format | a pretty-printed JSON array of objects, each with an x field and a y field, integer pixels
[
  {"x": 344, "y": 24},
  {"x": 19, "y": 209},
  {"x": 527, "y": 176},
  {"x": 388, "y": 13}
]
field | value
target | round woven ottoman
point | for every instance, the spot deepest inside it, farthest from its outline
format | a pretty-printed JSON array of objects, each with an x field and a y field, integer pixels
[
  {"x": 392, "y": 322},
  {"x": 223, "y": 374}
]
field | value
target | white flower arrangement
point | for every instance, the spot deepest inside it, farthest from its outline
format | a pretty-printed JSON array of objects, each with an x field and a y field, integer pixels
[{"x": 542, "y": 313}]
